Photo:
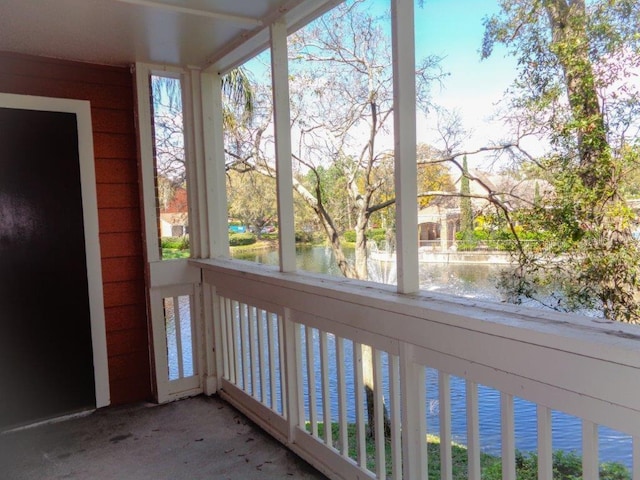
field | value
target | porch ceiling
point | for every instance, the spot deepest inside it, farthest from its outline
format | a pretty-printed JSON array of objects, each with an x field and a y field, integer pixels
[{"x": 216, "y": 34}]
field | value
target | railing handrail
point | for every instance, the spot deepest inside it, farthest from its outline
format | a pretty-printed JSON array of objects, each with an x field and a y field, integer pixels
[
  {"x": 581, "y": 366},
  {"x": 569, "y": 332}
]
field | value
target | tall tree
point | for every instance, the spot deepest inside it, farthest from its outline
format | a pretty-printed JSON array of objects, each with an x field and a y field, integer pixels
[
  {"x": 342, "y": 105},
  {"x": 576, "y": 59},
  {"x": 466, "y": 211}
]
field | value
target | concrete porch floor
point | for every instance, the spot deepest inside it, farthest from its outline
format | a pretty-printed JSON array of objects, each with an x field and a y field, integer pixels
[{"x": 197, "y": 438}]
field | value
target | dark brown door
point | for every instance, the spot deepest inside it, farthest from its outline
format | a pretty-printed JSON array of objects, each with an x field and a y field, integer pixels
[{"x": 46, "y": 359}]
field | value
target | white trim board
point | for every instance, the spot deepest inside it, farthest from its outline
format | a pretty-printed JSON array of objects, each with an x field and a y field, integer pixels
[{"x": 82, "y": 110}]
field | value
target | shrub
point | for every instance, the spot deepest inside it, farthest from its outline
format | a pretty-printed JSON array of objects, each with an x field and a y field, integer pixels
[
  {"x": 566, "y": 466},
  {"x": 467, "y": 240},
  {"x": 237, "y": 239},
  {"x": 304, "y": 237},
  {"x": 175, "y": 243},
  {"x": 374, "y": 234}
]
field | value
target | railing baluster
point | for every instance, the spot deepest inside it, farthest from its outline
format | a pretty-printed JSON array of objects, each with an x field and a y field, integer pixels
[
  {"x": 508, "y": 437},
  {"x": 444, "y": 389},
  {"x": 253, "y": 352},
  {"x": 378, "y": 402},
  {"x": 231, "y": 340},
  {"x": 262, "y": 366},
  {"x": 326, "y": 395},
  {"x": 473, "y": 432},
  {"x": 192, "y": 351},
  {"x": 589, "y": 451},
  {"x": 234, "y": 338},
  {"x": 223, "y": 337},
  {"x": 311, "y": 381},
  {"x": 545, "y": 450},
  {"x": 394, "y": 410},
  {"x": 271, "y": 326},
  {"x": 342, "y": 397},
  {"x": 282, "y": 358},
  {"x": 636, "y": 457},
  {"x": 359, "y": 390},
  {"x": 244, "y": 351}
]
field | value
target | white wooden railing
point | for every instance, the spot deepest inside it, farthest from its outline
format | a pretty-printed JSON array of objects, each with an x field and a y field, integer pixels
[{"x": 289, "y": 350}]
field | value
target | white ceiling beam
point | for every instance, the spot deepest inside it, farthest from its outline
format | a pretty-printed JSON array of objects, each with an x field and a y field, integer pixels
[
  {"x": 239, "y": 19},
  {"x": 295, "y": 13}
]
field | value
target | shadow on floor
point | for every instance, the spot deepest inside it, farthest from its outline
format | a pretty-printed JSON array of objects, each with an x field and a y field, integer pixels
[{"x": 197, "y": 438}]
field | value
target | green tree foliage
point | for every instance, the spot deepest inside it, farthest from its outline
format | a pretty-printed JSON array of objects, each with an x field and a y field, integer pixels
[
  {"x": 466, "y": 211},
  {"x": 574, "y": 88},
  {"x": 251, "y": 199}
]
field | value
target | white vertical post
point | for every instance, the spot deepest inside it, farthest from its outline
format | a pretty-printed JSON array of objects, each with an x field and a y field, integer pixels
[
  {"x": 194, "y": 143},
  {"x": 145, "y": 122},
  {"x": 215, "y": 333},
  {"x": 244, "y": 345},
  {"x": 444, "y": 390},
  {"x": 281, "y": 122},
  {"x": 282, "y": 347},
  {"x": 254, "y": 364},
  {"x": 545, "y": 451},
  {"x": 311, "y": 381},
  {"x": 378, "y": 404},
  {"x": 217, "y": 234},
  {"x": 590, "y": 451},
  {"x": 262, "y": 323},
  {"x": 396, "y": 423},
  {"x": 404, "y": 115},
  {"x": 227, "y": 346},
  {"x": 188, "y": 117},
  {"x": 358, "y": 385},
  {"x": 414, "y": 423},
  {"x": 232, "y": 340},
  {"x": 508, "y": 437},
  {"x": 636, "y": 458},
  {"x": 326, "y": 393},
  {"x": 292, "y": 365},
  {"x": 273, "y": 373},
  {"x": 342, "y": 397},
  {"x": 473, "y": 432}
]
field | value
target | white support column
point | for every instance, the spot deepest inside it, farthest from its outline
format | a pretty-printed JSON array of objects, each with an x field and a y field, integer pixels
[
  {"x": 291, "y": 362},
  {"x": 148, "y": 197},
  {"x": 213, "y": 339},
  {"x": 281, "y": 120},
  {"x": 414, "y": 428},
  {"x": 191, "y": 116},
  {"x": 404, "y": 114},
  {"x": 216, "y": 238},
  {"x": 198, "y": 223}
]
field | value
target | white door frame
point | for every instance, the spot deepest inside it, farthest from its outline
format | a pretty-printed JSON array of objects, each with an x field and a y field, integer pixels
[{"x": 82, "y": 110}]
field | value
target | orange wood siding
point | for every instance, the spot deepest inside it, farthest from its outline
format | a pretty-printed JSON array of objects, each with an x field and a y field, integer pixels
[{"x": 110, "y": 91}]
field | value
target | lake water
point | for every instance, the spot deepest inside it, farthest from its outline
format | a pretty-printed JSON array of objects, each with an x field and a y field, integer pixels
[{"x": 472, "y": 281}]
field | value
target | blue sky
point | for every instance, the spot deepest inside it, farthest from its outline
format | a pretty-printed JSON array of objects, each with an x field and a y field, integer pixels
[{"x": 453, "y": 30}]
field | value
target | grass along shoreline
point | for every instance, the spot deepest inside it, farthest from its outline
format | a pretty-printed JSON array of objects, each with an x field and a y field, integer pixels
[{"x": 566, "y": 465}]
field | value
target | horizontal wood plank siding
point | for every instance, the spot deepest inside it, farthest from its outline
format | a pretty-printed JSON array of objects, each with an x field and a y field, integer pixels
[{"x": 110, "y": 91}]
